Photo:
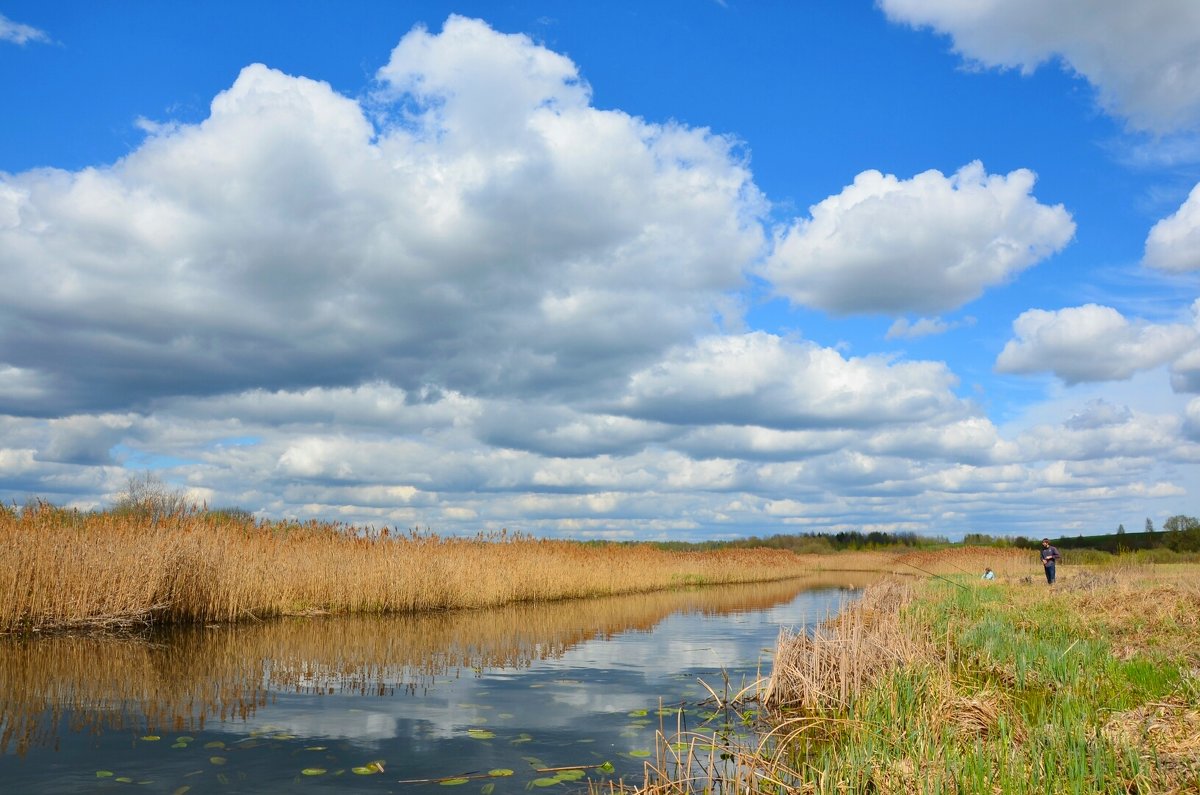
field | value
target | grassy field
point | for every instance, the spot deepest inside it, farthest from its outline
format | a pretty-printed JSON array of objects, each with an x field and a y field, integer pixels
[
  {"x": 954, "y": 685},
  {"x": 65, "y": 569}
]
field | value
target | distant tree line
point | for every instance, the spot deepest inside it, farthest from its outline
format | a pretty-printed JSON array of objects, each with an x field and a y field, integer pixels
[{"x": 816, "y": 543}]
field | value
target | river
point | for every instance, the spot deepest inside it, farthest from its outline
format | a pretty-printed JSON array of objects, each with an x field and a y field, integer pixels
[{"x": 481, "y": 701}]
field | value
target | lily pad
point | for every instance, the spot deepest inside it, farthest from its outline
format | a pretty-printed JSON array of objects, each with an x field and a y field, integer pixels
[
  {"x": 313, "y": 771},
  {"x": 104, "y": 774},
  {"x": 480, "y": 734},
  {"x": 124, "y": 779},
  {"x": 500, "y": 772},
  {"x": 217, "y": 760},
  {"x": 638, "y": 713},
  {"x": 545, "y": 781},
  {"x": 369, "y": 768},
  {"x": 179, "y": 745},
  {"x": 151, "y": 738},
  {"x": 453, "y": 782},
  {"x": 639, "y": 754},
  {"x": 215, "y": 744},
  {"x": 570, "y": 775}
]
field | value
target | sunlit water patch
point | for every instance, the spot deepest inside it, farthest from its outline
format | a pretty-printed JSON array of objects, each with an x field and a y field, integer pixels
[{"x": 490, "y": 701}]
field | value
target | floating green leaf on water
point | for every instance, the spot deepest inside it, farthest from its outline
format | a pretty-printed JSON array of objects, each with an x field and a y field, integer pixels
[
  {"x": 638, "y": 713},
  {"x": 184, "y": 790},
  {"x": 453, "y": 782},
  {"x": 104, "y": 774},
  {"x": 523, "y": 737},
  {"x": 570, "y": 775},
  {"x": 499, "y": 772},
  {"x": 151, "y": 737},
  {"x": 313, "y": 771},
  {"x": 607, "y": 767},
  {"x": 480, "y": 734},
  {"x": 487, "y": 789},
  {"x": 545, "y": 782},
  {"x": 217, "y": 760},
  {"x": 534, "y": 761},
  {"x": 316, "y": 747},
  {"x": 184, "y": 739},
  {"x": 369, "y": 768},
  {"x": 179, "y": 745},
  {"x": 283, "y": 736},
  {"x": 124, "y": 779},
  {"x": 640, "y": 753},
  {"x": 216, "y": 744}
]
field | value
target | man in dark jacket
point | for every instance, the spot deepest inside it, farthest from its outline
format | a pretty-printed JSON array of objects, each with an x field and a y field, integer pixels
[{"x": 1049, "y": 557}]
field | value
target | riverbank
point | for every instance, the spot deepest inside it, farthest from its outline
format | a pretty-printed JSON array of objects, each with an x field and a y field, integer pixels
[
  {"x": 956, "y": 685},
  {"x": 67, "y": 570}
]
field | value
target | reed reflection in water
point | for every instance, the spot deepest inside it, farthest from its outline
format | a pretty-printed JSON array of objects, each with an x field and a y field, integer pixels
[{"x": 180, "y": 680}]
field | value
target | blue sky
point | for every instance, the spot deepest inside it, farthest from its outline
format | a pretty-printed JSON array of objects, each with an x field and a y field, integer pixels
[{"x": 624, "y": 270}]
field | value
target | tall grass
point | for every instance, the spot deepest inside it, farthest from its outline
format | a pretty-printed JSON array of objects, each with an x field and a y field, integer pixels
[{"x": 69, "y": 569}]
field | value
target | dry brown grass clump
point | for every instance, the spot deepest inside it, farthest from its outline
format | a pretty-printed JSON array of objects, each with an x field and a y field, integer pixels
[
  {"x": 820, "y": 672},
  {"x": 1166, "y": 734},
  {"x": 63, "y": 569}
]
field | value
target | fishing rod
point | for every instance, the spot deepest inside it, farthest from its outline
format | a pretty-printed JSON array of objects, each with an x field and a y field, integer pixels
[{"x": 940, "y": 577}]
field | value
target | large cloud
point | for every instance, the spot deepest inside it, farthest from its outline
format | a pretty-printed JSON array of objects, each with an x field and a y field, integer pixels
[
  {"x": 477, "y": 225},
  {"x": 1174, "y": 242},
  {"x": 1091, "y": 343},
  {"x": 927, "y": 244},
  {"x": 1143, "y": 58},
  {"x": 761, "y": 379}
]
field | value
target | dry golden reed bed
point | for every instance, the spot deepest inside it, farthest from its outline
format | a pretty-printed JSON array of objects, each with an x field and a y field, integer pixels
[{"x": 65, "y": 569}]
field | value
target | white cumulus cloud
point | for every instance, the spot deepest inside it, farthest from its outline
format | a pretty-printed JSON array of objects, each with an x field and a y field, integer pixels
[
  {"x": 1142, "y": 57},
  {"x": 1091, "y": 343},
  {"x": 927, "y": 244},
  {"x": 763, "y": 379},
  {"x": 1174, "y": 242},
  {"x": 475, "y": 225}
]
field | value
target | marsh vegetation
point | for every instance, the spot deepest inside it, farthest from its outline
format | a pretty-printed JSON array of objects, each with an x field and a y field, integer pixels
[
  {"x": 955, "y": 685},
  {"x": 66, "y": 569}
]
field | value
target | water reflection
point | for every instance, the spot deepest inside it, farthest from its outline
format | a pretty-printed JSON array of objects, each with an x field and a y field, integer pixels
[{"x": 368, "y": 680}]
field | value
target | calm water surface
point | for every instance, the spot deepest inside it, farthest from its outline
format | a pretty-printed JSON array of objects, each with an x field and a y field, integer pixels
[{"x": 321, "y": 704}]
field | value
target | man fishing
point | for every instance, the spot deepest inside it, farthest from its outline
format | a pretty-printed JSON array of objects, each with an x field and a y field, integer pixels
[{"x": 1050, "y": 556}]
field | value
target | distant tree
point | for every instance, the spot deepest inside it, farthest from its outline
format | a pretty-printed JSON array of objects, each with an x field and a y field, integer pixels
[
  {"x": 1149, "y": 525},
  {"x": 147, "y": 494},
  {"x": 1120, "y": 529},
  {"x": 1181, "y": 524}
]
